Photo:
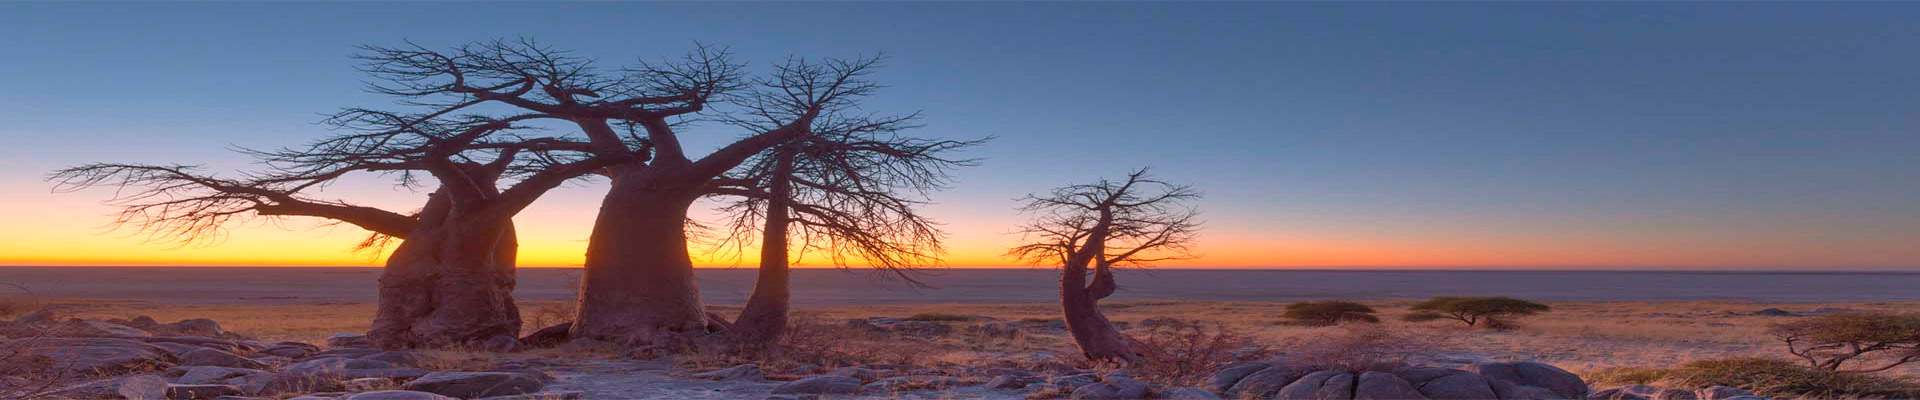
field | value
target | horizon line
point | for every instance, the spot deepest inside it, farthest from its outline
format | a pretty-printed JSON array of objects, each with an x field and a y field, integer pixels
[{"x": 1512, "y": 268}]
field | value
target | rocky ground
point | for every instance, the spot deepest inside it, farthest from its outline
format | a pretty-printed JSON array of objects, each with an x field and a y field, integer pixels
[{"x": 140, "y": 358}]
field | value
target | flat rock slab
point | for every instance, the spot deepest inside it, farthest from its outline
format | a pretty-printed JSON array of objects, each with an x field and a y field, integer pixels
[
  {"x": 652, "y": 380},
  {"x": 476, "y": 384}
]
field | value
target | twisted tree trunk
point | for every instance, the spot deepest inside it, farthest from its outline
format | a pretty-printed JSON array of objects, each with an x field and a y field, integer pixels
[
  {"x": 639, "y": 287},
  {"x": 1097, "y": 337},
  {"x": 1080, "y": 300}
]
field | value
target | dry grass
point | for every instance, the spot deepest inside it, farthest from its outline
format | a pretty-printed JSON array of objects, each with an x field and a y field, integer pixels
[{"x": 1581, "y": 336}]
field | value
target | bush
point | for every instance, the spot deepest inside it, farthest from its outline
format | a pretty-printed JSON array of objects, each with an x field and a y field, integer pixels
[
  {"x": 1763, "y": 376},
  {"x": 1326, "y": 313},
  {"x": 1829, "y": 342},
  {"x": 1179, "y": 353},
  {"x": 1493, "y": 312},
  {"x": 940, "y": 317}
]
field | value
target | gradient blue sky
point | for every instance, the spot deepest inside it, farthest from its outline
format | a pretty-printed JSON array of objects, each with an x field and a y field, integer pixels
[{"x": 1706, "y": 135}]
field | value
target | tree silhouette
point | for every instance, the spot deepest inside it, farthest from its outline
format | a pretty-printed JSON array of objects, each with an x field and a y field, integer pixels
[
  {"x": 450, "y": 281},
  {"x": 847, "y": 190},
  {"x": 1090, "y": 229},
  {"x": 638, "y": 287}
]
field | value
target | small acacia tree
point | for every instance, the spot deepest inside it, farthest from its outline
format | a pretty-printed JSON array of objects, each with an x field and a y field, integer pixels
[
  {"x": 1830, "y": 342},
  {"x": 1325, "y": 313},
  {"x": 1089, "y": 229},
  {"x": 1496, "y": 311}
]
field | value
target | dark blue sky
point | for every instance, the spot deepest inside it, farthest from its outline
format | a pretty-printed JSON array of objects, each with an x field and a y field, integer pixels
[{"x": 1629, "y": 134}]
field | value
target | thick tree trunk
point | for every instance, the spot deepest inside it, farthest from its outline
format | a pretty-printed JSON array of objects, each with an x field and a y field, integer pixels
[
  {"x": 639, "y": 287},
  {"x": 765, "y": 316},
  {"x": 1097, "y": 337},
  {"x": 449, "y": 284}
]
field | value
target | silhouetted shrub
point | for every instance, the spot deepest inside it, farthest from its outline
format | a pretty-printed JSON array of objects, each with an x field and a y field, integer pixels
[
  {"x": 939, "y": 317},
  {"x": 1494, "y": 312},
  {"x": 1763, "y": 376},
  {"x": 1325, "y": 313},
  {"x": 1829, "y": 342}
]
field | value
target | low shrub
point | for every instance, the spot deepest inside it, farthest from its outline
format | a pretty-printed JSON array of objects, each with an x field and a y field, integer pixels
[
  {"x": 1329, "y": 313},
  {"x": 1179, "y": 353},
  {"x": 940, "y": 317},
  {"x": 1767, "y": 377}
]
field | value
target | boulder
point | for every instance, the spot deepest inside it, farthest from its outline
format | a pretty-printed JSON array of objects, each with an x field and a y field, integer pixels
[
  {"x": 398, "y": 358},
  {"x": 553, "y": 395},
  {"x": 194, "y": 327},
  {"x": 136, "y": 387},
  {"x": 177, "y": 349},
  {"x": 396, "y": 395},
  {"x": 1188, "y": 394},
  {"x": 1674, "y": 394},
  {"x": 349, "y": 352},
  {"x": 200, "y": 392},
  {"x": 475, "y": 384},
  {"x": 349, "y": 340},
  {"x": 86, "y": 355},
  {"x": 1323, "y": 385},
  {"x": 863, "y": 374},
  {"x": 1721, "y": 393},
  {"x": 1114, "y": 388},
  {"x": 218, "y": 358},
  {"x": 1440, "y": 383},
  {"x": 1375, "y": 385},
  {"x": 887, "y": 385},
  {"x": 1629, "y": 392},
  {"x": 331, "y": 364},
  {"x": 1074, "y": 381},
  {"x": 548, "y": 337},
  {"x": 737, "y": 372},
  {"x": 1007, "y": 382},
  {"x": 820, "y": 384},
  {"x": 99, "y": 328},
  {"x": 194, "y": 375},
  {"x": 1536, "y": 374},
  {"x": 1506, "y": 390},
  {"x": 1224, "y": 378},
  {"x": 278, "y": 383},
  {"x": 1265, "y": 382},
  {"x": 287, "y": 350},
  {"x": 222, "y": 344}
]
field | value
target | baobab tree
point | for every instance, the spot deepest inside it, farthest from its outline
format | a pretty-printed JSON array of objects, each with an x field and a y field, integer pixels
[
  {"x": 1090, "y": 229},
  {"x": 847, "y": 190},
  {"x": 638, "y": 287},
  {"x": 450, "y": 280}
]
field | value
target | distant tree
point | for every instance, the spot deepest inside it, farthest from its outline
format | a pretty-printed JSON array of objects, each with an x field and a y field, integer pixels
[
  {"x": 1494, "y": 312},
  {"x": 1831, "y": 341},
  {"x": 1089, "y": 229},
  {"x": 1324, "y": 313}
]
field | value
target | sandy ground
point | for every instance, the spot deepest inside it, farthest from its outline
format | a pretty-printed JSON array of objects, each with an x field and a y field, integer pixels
[{"x": 1581, "y": 336}]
